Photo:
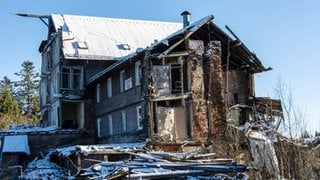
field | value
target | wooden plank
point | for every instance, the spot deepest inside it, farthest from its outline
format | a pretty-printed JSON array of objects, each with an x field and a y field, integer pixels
[{"x": 166, "y": 174}]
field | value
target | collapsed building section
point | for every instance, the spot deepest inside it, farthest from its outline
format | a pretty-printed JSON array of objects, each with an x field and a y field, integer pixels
[{"x": 182, "y": 88}]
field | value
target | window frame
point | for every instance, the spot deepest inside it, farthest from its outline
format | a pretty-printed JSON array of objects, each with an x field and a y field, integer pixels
[
  {"x": 109, "y": 87},
  {"x": 139, "y": 117},
  {"x": 98, "y": 93},
  {"x": 71, "y": 77},
  {"x": 124, "y": 120},
  {"x": 138, "y": 73},
  {"x": 99, "y": 127},
  {"x": 110, "y": 125},
  {"x": 121, "y": 80}
]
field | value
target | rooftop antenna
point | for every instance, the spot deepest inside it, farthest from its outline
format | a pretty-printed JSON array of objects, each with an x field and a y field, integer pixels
[{"x": 41, "y": 17}]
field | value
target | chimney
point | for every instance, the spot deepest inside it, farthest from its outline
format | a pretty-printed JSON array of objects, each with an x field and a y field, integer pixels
[{"x": 186, "y": 18}]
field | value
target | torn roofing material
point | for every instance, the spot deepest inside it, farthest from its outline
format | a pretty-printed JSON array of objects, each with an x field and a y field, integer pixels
[
  {"x": 242, "y": 57},
  {"x": 16, "y": 144},
  {"x": 99, "y": 38}
]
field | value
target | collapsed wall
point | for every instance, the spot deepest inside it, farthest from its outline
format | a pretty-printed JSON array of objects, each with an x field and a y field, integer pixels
[{"x": 277, "y": 158}]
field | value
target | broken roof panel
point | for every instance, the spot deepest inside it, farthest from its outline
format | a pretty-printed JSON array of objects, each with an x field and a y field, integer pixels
[
  {"x": 98, "y": 38},
  {"x": 16, "y": 144}
]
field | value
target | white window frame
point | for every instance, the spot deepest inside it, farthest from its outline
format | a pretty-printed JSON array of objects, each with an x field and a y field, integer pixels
[
  {"x": 139, "y": 118},
  {"x": 110, "y": 124},
  {"x": 98, "y": 93},
  {"x": 138, "y": 72},
  {"x": 124, "y": 120},
  {"x": 109, "y": 87},
  {"x": 99, "y": 127},
  {"x": 122, "y": 74}
]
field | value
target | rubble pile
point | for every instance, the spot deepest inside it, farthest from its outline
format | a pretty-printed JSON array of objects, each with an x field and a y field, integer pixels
[
  {"x": 154, "y": 165},
  {"x": 132, "y": 162}
]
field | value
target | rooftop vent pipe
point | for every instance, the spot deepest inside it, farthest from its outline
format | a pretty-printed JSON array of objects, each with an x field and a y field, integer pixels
[{"x": 186, "y": 18}]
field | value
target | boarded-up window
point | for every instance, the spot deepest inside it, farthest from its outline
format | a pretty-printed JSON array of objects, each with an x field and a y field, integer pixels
[
  {"x": 99, "y": 127},
  {"x": 124, "y": 120},
  {"x": 161, "y": 80},
  {"x": 138, "y": 73},
  {"x": 98, "y": 93},
  {"x": 139, "y": 118},
  {"x": 122, "y": 80},
  {"x": 110, "y": 124},
  {"x": 109, "y": 87}
]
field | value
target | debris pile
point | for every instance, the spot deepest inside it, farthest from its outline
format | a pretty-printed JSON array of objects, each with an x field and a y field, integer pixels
[
  {"x": 43, "y": 169},
  {"x": 131, "y": 161},
  {"x": 155, "y": 165}
]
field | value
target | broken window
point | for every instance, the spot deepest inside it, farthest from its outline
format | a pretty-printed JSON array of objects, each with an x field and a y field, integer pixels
[
  {"x": 161, "y": 80},
  {"x": 122, "y": 80},
  {"x": 124, "y": 120},
  {"x": 71, "y": 78},
  {"x": 110, "y": 124},
  {"x": 176, "y": 79},
  {"x": 109, "y": 87},
  {"x": 98, "y": 93},
  {"x": 139, "y": 118},
  {"x": 138, "y": 73}
]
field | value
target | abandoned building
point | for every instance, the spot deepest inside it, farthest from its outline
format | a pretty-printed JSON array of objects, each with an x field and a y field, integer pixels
[
  {"x": 77, "y": 48},
  {"x": 131, "y": 80}
]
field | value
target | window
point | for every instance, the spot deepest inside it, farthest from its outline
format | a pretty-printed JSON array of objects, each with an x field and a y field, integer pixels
[
  {"x": 122, "y": 81},
  {"x": 110, "y": 124},
  {"x": 71, "y": 78},
  {"x": 98, "y": 93},
  {"x": 99, "y": 127},
  {"x": 139, "y": 118},
  {"x": 109, "y": 87},
  {"x": 66, "y": 77},
  {"x": 138, "y": 73},
  {"x": 124, "y": 121},
  {"x": 76, "y": 79}
]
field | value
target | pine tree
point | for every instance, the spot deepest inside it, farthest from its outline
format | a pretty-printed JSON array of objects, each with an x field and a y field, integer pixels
[
  {"x": 7, "y": 83},
  {"x": 27, "y": 91},
  {"x": 8, "y": 105},
  {"x": 10, "y": 112}
]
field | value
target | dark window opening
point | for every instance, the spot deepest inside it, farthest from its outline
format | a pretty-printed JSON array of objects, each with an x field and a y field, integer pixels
[
  {"x": 176, "y": 79},
  {"x": 71, "y": 78},
  {"x": 236, "y": 98}
]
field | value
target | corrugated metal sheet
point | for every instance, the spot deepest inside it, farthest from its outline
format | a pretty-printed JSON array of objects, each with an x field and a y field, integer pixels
[
  {"x": 86, "y": 37},
  {"x": 16, "y": 144}
]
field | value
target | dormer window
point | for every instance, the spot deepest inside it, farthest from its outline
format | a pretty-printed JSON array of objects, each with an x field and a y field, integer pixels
[
  {"x": 82, "y": 45},
  {"x": 124, "y": 46}
]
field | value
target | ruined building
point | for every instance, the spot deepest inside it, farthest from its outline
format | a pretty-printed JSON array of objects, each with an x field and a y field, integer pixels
[{"x": 130, "y": 80}]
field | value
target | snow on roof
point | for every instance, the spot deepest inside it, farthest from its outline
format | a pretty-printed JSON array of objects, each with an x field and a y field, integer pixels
[
  {"x": 98, "y": 38},
  {"x": 29, "y": 128},
  {"x": 190, "y": 29},
  {"x": 15, "y": 144}
]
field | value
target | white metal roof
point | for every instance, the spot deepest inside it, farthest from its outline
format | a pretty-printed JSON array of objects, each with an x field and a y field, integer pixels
[
  {"x": 15, "y": 144},
  {"x": 98, "y": 38}
]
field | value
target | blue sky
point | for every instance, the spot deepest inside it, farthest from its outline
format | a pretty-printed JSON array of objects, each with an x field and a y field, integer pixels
[{"x": 284, "y": 34}]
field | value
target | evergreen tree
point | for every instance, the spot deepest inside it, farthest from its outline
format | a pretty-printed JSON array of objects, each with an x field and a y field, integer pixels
[
  {"x": 27, "y": 91},
  {"x": 10, "y": 112},
  {"x": 7, "y": 83},
  {"x": 8, "y": 105}
]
